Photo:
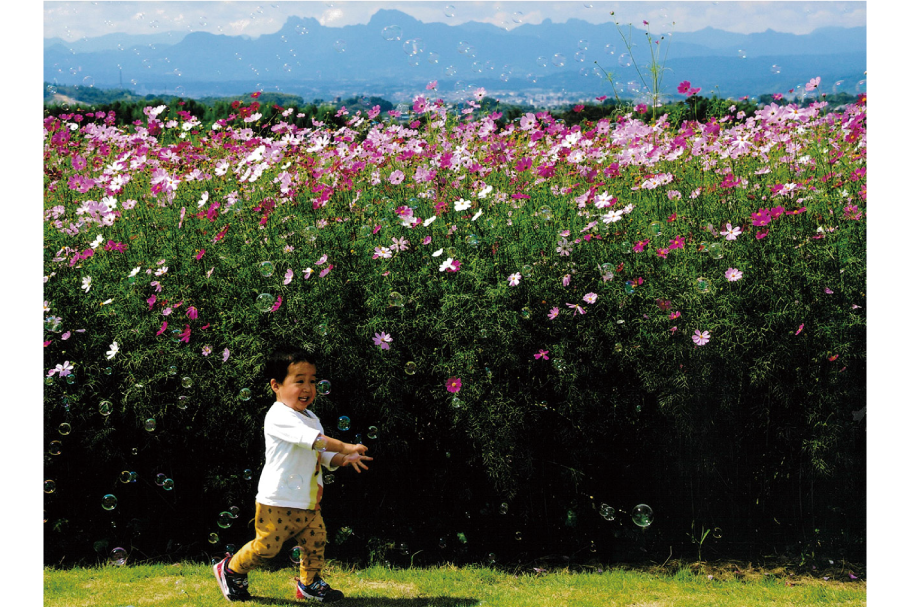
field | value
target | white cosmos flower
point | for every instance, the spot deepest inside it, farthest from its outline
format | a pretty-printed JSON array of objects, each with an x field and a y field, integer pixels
[
  {"x": 86, "y": 283},
  {"x": 461, "y": 204},
  {"x": 113, "y": 351},
  {"x": 437, "y": 253}
]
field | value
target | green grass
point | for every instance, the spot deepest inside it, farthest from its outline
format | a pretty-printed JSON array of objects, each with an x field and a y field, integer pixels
[{"x": 449, "y": 586}]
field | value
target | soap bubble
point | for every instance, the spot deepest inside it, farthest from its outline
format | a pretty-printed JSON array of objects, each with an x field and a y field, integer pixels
[
  {"x": 372, "y": 432},
  {"x": 461, "y": 537},
  {"x": 339, "y": 46},
  {"x": 266, "y": 268},
  {"x": 235, "y": 511},
  {"x": 413, "y": 47},
  {"x": 71, "y": 379},
  {"x": 49, "y": 380},
  {"x": 716, "y": 250},
  {"x": 296, "y": 553},
  {"x": 546, "y": 213},
  {"x": 442, "y": 542},
  {"x": 186, "y": 382},
  {"x": 324, "y": 387},
  {"x": 172, "y": 370},
  {"x": 344, "y": 423},
  {"x": 343, "y": 534},
  {"x": 55, "y": 447},
  {"x": 609, "y": 49},
  {"x": 741, "y": 53},
  {"x": 150, "y": 424},
  {"x": 702, "y": 285},
  {"x": 225, "y": 520},
  {"x": 503, "y": 508},
  {"x": 264, "y": 302},
  {"x": 608, "y": 512},
  {"x": 655, "y": 228},
  {"x": 491, "y": 557},
  {"x": 775, "y": 69},
  {"x": 456, "y": 402},
  {"x": 50, "y": 486},
  {"x": 181, "y": 403},
  {"x": 629, "y": 287},
  {"x": 642, "y": 515},
  {"x": 213, "y": 538},
  {"x": 526, "y": 313},
  {"x": 160, "y": 478},
  {"x": 560, "y": 365},
  {"x": 247, "y": 474},
  {"x": 625, "y": 247},
  {"x": 168, "y": 484},
  {"x": 109, "y": 502},
  {"x": 328, "y": 479},
  {"x": 716, "y": 533},
  {"x": 391, "y": 32},
  {"x": 625, "y": 60},
  {"x": 571, "y": 518},
  {"x": 64, "y": 428},
  {"x": 322, "y": 329},
  {"x": 449, "y": 10},
  {"x": 559, "y": 60},
  {"x": 472, "y": 240},
  {"x": 108, "y": 371},
  {"x": 517, "y": 16},
  {"x": 410, "y": 367},
  {"x": 105, "y": 408},
  {"x": 53, "y": 324},
  {"x": 579, "y": 56},
  {"x": 245, "y": 394},
  {"x": 118, "y": 557},
  {"x": 518, "y": 535},
  {"x": 396, "y": 299},
  {"x": 319, "y": 443},
  {"x": 125, "y": 477}
]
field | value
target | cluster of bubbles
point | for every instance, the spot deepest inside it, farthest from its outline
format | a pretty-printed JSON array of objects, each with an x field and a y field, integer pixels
[{"x": 226, "y": 517}]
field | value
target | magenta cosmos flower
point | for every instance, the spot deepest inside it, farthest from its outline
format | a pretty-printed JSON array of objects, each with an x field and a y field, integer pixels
[
  {"x": 382, "y": 340},
  {"x": 453, "y": 384},
  {"x": 733, "y": 274},
  {"x": 701, "y": 337}
]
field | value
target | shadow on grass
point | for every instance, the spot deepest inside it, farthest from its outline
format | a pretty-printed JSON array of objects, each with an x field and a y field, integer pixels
[{"x": 436, "y": 601}]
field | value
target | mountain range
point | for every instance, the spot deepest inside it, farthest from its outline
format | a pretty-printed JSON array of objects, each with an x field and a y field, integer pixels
[{"x": 395, "y": 56}]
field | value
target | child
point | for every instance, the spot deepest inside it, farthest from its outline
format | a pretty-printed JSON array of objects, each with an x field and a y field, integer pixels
[{"x": 290, "y": 487}]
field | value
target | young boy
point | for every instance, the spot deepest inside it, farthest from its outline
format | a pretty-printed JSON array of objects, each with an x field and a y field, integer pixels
[{"x": 290, "y": 488}]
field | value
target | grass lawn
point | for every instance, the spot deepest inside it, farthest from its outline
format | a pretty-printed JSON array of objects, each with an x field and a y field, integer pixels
[{"x": 170, "y": 585}]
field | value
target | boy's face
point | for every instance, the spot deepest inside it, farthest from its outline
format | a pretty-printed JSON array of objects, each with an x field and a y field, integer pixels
[{"x": 298, "y": 390}]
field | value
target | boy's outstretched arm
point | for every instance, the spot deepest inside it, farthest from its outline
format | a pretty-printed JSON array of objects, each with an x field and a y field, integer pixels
[
  {"x": 355, "y": 460},
  {"x": 327, "y": 443}
]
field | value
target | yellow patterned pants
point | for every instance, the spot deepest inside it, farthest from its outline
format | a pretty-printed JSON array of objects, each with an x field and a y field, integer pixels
[{"x": 276, "y": 525}]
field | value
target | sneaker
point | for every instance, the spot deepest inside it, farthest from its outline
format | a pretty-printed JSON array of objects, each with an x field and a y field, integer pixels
[
  {"x": 233, "y": 585},
  {"x": 318, "y": 590}
]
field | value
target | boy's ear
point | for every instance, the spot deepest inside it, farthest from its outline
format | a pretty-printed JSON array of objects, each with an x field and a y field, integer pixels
[{"x": 274, "y": 384}]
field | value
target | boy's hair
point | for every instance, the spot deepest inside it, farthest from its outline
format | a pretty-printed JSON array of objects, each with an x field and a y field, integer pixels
[{"x": 276, "y": 367}]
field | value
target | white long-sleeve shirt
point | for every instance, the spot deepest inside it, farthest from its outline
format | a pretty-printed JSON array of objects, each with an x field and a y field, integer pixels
[{"x": 292, "y": 475}]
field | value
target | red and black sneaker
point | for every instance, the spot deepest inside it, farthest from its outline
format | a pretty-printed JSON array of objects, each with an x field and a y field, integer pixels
[
  {"x": 319, "y": 590},
  {"x": 233, "y": 585}
]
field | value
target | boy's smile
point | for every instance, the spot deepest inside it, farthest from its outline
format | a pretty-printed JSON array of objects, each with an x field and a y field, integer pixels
[{"x": 298, "y": 390}]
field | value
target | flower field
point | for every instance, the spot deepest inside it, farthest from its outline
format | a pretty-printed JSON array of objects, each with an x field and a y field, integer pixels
[{"x": 532, "y": 326}]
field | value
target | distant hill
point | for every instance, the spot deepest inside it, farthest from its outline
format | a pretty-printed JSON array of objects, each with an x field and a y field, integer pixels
[{"x": 307, "y": 59}]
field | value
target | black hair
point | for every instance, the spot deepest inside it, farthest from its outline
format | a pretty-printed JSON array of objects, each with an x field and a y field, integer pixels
[{"x": 276, "y": 367}]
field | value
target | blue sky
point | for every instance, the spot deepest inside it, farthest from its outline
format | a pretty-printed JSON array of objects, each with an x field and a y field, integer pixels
[{"x": 74, "y": 20}]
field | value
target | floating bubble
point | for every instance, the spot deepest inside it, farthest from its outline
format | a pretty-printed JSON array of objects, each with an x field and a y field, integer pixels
[
  {"x": 319, "y": 443},
  {"x": 247, "y": 474},
  {"x": 456, "y": 402},
  {"x": 108, "y": 371},
  {"x": 542, "y": 61},
  {"x": 186, "y": 382},
  {"x": 559, "y": 60},
  {"x": 442, "y": 543},
  {"x": 324, "y": 387},
  {"x": 372, "y": 433},
  {"x": 49, "y": 381},
  {"x": 433, "y": 58},
  {"x": 503, "y": 508},
  {"x": 55, "y": 447},
  {"x": 861, "y": 87},
  {"x": 109, "y": 501},
  {"x": 715, "y": 250},
  {"x": 396, "y": 299},
  {"x": 518, "y": 535},
  {"x": 716, "y": 533},
  {"x": 609, "y": 49},
  {"x": 88, "y": 81},
  {"x": 449, "y": 10},
  {"x": 66, "y": 402},
  {"x": 264, "y": 302},
  {"x": 126, "y": 477},
  {"x": 133, "y": 476},
  {"x": 775, "y": 69},
  {"x": 150, "y": 424},
  {"x": 225, "y": 520},
  {"x": 343, "y": 534},
  {"x": 213, "y": 538},
  {"x": 391, "y": 32},
  {"x": 526, "y": 313},
  {"x": 168, "y": 484},
  {"x": 624, "y": 60},
  {"x": 413, "y": 47},
  {"x": 625, "y": 247},
  {"x": 105, "y": 408},
  {"x": 235, "y": 511},
  {"x": 579, "y": 56},
  {"x": 629, "y": 287},
  {"x": 339, "y": 46},
  {"x": 266, "y": 268},
  {"x": 64, "y": 429},
  {"x": 50, "y": 486},
  {"x": 491, "y": 558},
  {"x": 546, "y": 213},
  {"x": 608, "y": 512},
  {"x": 582, "y": 45},
  {"x": 118, "y": 557},
  {"x": 53, "y": 324},
  {"x": 245, "y": 394},
  {"x": 328, "y": 479},
  {"x": 702, "y": 285},
  {"x": 655, "y": 228},
  {"x": 642, "y": 515},
  {"x": 322, "y": 329},
  {"x": 410, "y": 367},
  {"x": 160, "y": 478},
  {"x": 71, "y": 379},
  {"x": 344, "y": 423},
  {"x": 135, "y": 451},
  {"x": 461, "y": 537},
  {"x": 172, "y": 370},
  {"x": 296, "y": 553},
  {"x": 472, "y": 240}
]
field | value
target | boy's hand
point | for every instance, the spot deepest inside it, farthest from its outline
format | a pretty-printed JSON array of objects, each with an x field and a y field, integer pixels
[
  {"x": 350, "y": 449},
  {"x": 356, "y": 460}
]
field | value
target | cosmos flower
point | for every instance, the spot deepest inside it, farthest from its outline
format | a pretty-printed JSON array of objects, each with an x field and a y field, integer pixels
[
  {"x": 382, "y": 340},
  {"x": 733, "y": 274},
  {"x": 701, "y": 337},
  {"x": 453, "y": 384},
  {"x": 514, "y": 279},
  {"x": 542, "y": 354},
  {"x": 114, "y": 348}
]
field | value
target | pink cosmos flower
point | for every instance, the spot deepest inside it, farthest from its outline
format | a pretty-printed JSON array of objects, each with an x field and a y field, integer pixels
[
  {"x": 225, "y": 355},
  {"x": 453, "y": 384},
  {"x": 326, "y": 271},
  {"x": 200, "y": 254},
  {"x": 800, "y": 330},
  {"x": 396, "y": 177},
  {"x": 382, "y": 340},
  {"x": 701, "y": 337},
  {"x": 514, "y": 279},
  {"x": 578, "y": 309},
  {"x": 274, "y": 308},
  {"x": 206, "y": 350},
  {"x": 566, "y": 279},
  {"x": 554, "y": 312},
  {"x": 813, "y": 83},
  {"x": 288, "y": 276},
  {"x": 640, "y": 245},
  {"x": 322, "y": 260},
  {"x": 162, "y": 329},
  {"x": 662, "y": 253},
  {"x": 761, "y": 218},
  {"x": 590, "y": 297},
  {"x": 426, "y": 240},
  {"x": 675, "y": 314},
  {"x": 542, "y": 354},
  {"x": 731, "y": 232},
  {"x": 677, "y": 243},
  {"x": 192, "y": 312},
  {"x": 829, "y": 291},
  {"x": 151, "y": 301},
  {"x": 185, "y": 335},
  {"x": 733, "y": 274},
  {"x": 761, "y": 234}
]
